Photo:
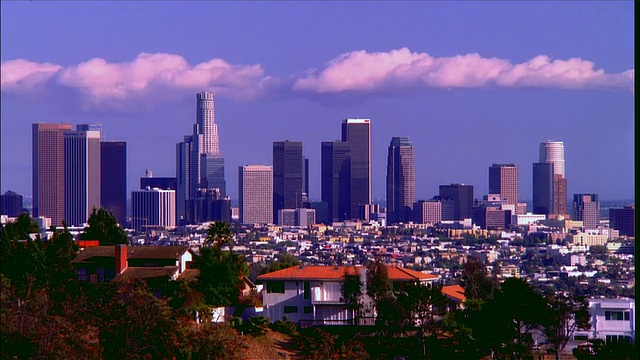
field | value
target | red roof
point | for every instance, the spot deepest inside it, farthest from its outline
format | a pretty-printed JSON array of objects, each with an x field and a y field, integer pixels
[
  {"x": 455, "y": 292},
  {"x": 337, "y": 273}
]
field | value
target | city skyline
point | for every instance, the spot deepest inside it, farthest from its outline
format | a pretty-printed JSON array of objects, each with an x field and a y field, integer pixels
[{"x": 584, "y": 51}]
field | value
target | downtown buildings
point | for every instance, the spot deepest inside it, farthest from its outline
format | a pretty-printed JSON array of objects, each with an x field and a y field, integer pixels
[
  {"x": 401, "y": 180},
  {"x": 67, "y": 177},
  {"x": 199, "y": 164},
  {"x": 549, "y": 182}
]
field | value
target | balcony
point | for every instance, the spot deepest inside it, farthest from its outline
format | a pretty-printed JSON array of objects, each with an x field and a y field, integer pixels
[{"x": 326, "y": 296}]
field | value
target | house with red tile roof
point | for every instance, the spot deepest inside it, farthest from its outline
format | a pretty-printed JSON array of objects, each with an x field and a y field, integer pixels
[
  {"x": 455, "y": 296},
  {"x": 313, "y": 294}
]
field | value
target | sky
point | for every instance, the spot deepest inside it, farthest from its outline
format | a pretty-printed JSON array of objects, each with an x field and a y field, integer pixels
[{"x": 471, "y": 83}]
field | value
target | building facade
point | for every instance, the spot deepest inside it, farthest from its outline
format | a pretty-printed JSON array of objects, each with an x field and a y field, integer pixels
[
  {"x": 427, "y": 212},
  {"x": 288, "y": 176},
  {"x": 48, "y": 171},
  {"x": 552, "y": 152},
  {"x": 503, "y": 180},
  {"x": 82, "y": 163},
  {"x": 462, "y": 196},
  {"x": 11, "y": 204},
  {"x": 153, "y": 208},
  {"x": 255, "y": 184},
  {"x": 113, "y": 179},
  {"x": 543, "y": 195},
  {"x": 586, "y": 208},
  {"x": 336, "y": 179},
  {"x": 401, "y": 180},
  {"x": 357, "y": 132},
  {"x": 623, "y": 220}
]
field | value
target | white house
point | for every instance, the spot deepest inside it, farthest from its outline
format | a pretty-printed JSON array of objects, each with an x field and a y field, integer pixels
[
  {"x": 612, "y": 319},
  {"x": 313, "y": 294}
]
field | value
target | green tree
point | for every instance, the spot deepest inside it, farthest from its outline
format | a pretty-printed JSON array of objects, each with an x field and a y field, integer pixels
[
  {"x": 19, "y": 229},
  {"x": 104, "y": 227},
  {"x": 219, "y": 234},
  {"x": 282, "y": 261},
  {"x": 378, "y": 284},
  {"x": 475, "y": 281},
  {"x": 352, "y": 295}
]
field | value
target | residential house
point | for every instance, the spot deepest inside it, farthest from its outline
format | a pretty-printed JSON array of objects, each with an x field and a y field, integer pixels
[
  {"x": 612, "y": 320},
  {"x": 312, "y": 295}
]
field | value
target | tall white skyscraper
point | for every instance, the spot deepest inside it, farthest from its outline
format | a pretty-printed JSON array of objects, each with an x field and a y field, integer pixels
[
  {"x": 255, "y": 183},
  {"x": 553, "y": 152},
  {"x": 199, "y": 162},
  {"x": 81, "y": 174}
]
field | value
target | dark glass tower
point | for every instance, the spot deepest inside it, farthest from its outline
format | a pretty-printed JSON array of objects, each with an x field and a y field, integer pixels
[
  {"x": 11, "y": 204},
  {"x": 357, "y": 132},
  {"x": 113, "y": 178},
  {"x": 462, "y": 196},
  {"x": 543, "y": 188},
  {"x": 336, "y": 179},
  {"x": 503, "y": 180},
  {"x": 401, "y": 180},
  {"x": 288, "y": 175}
]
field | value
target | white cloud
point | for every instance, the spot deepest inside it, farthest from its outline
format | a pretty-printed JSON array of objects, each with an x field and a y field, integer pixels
[
  {"x": 398, "y": 69},
  {"x": 155, "y": 77},
  {"x": 24, "y": 75},
  {"x": 102, "y": 81}
]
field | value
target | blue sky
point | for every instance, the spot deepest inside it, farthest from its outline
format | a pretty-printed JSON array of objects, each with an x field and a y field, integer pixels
[{"x": 472, "y": 83}]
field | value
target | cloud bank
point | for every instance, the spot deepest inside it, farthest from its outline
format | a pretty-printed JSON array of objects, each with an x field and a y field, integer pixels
[
  {"x": 100, "y": 81},
  {"x": 398, "y": 69}
]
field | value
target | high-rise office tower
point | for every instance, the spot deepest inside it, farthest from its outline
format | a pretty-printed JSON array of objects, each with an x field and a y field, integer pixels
[
  {"x": 48, "y": 171},
  {"x": 213, "y": 173},
  {"x": 113, "y": 178},
  {"x": 586, "y": 208},
  {"x": 427, "y": 211},
  {"x": 357, "y": 132},
  {"x": 623, "y": 220},
  {"x": 255, "y": 184},
  {"x": 183, "y": 178},
  {"x": 199, "y": 162},
  {"x": 305, "y": 179},
  {"x": 288, "y": 176},
  {"x": 81, "y": 174},
  {"x": 153, "y": 208},
  {"x": 401, "y": 180},
  {"x": 553, "y": 152},
  {"x": 336, "y": 179},
  {"x": 11, "y": 204},
  {"x": 543, "y": 194},
  {"x": 462, "y": 196},
  {"x": 503, "y": 180}
]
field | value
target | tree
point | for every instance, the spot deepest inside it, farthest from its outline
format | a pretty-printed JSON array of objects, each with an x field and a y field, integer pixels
[
  {"x": 19, "y": 229},
  {"x": 564, "y": 315},
  {"x": 378, "y": 284},
  {"x": 104, "y": 227},
  {"x": 475, "y": 281},
  {"x": 282, "y": 261},
  {"x": 352, "y": 295},
  {"x": 219, "y": 234}
]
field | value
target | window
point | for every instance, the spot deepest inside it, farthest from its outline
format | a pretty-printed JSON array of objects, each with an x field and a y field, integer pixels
[
  {"x": 617, "y": 315},
  {"x": 290, "y": 309},
  {"x": 308, "y": 309},
  {"x": 275, "y": 287},
  {"x": 307, "y": 290}
]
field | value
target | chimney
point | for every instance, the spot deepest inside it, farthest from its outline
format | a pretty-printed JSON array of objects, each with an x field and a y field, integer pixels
[{"x": 121, "y": 258}]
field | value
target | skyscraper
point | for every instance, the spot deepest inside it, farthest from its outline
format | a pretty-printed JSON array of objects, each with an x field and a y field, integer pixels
[
  {"x": 255, "y": 184},
  {"x": 336, "y": 179},
  {"x": 623, "y": 220},
  {"x": 543, "y": 188},
  {"x": 48, "y": 171},
  {"x": 81, "y": 174},
  {"x": 357, "y": 132},
  {"x": 288, "y": 174},
  {"x": 553, "y": 152},
  {"x": 113, "y": 178},
  {"x": 153, "y": 208},
  {"x": 11, "y": 204},
  {"x": 462, "y": 196},
  {"x": 503, "y": 180},
  {"x": 401, "y": 180},
  {"x": 586, "y": 208},
  {"x": 199, "y": 162}
]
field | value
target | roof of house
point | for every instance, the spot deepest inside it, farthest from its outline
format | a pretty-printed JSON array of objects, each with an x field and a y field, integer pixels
[
  {"x": 338, "y": 272},
  {"x": 133, "y": 252},
  {"x": 455, "y": 292},
  {"x": 189, "y": 274},
  {"x": 146, "y": 273}
]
